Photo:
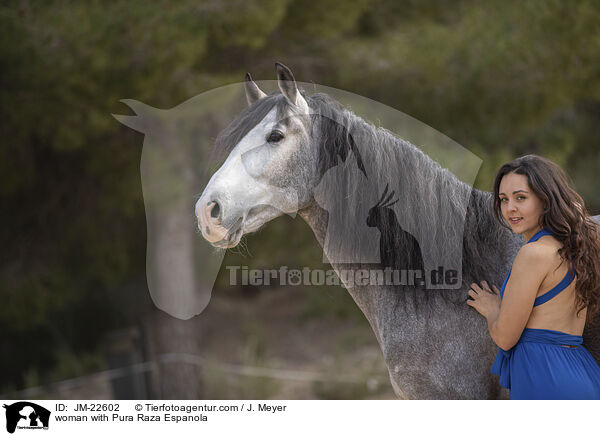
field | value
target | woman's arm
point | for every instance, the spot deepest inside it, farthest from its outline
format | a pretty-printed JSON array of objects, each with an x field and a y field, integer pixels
[{"x": 508, "y": 317}]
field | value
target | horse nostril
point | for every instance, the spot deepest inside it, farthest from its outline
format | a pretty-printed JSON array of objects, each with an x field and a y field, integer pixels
[{"x": 215, "y": 211}]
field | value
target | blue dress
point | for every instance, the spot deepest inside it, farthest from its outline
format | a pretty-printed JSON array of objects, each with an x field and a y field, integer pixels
[{"x": 540, "y": 367}]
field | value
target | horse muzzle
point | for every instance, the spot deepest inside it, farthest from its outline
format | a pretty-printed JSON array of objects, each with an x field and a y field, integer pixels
[{"x": 210, "y": 223}]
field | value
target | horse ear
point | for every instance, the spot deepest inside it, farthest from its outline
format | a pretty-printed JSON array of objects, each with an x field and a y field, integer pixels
[
  {"x": 287, "y": 85},
  {"x": 253, "y": 92}
]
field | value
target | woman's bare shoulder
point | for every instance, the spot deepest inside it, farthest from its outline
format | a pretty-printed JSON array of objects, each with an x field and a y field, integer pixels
[{"x": 542, "y": 252}]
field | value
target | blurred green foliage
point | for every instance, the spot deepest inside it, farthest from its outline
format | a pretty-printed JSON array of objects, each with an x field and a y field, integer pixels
[{"x": 501, "y": 78}]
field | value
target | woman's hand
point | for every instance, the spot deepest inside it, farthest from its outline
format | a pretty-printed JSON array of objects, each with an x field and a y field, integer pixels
[{"x": 485, "y": 300}]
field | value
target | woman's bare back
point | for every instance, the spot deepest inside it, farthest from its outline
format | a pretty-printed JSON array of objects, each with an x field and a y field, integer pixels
[{"x": 559, "y": 313}]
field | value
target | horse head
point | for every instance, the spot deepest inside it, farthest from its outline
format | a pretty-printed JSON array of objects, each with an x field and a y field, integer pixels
[{"x": 270, "y": 169}]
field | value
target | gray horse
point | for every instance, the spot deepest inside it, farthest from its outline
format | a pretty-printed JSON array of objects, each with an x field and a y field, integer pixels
[{"x": 280, "y": 149}]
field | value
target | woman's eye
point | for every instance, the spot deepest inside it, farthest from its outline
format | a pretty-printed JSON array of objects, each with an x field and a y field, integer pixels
[
  {"x": 275, "y": 136},
  {"x": 520, "y": 197},
  {"x": 503, "y": 199}
]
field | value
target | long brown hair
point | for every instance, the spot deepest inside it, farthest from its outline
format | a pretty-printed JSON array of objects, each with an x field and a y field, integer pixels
[{"x": 566, "y": 216}]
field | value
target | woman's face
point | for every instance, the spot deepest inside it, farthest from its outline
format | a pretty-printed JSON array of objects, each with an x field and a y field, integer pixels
[{"x": 520, "y": 207}]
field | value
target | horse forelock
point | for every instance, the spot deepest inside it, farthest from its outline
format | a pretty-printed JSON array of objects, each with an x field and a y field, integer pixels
[{"x": 249, "y": 118}]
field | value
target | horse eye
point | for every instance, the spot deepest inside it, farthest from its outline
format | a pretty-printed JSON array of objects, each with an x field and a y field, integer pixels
[{"x": 275, "y": 136}]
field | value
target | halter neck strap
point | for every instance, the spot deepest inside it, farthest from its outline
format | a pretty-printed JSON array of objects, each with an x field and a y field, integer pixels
[{"x": 544, "y": 232}]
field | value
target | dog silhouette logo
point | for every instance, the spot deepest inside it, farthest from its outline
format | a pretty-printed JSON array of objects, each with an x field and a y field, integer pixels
[{"x": 26, "y": 415}]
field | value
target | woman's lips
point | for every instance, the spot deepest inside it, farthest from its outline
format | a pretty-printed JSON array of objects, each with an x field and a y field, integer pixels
[{"x": 515, "y": 220}]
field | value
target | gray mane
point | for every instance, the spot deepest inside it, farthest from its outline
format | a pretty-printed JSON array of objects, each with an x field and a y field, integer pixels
[{"x": 432, "y": 199}]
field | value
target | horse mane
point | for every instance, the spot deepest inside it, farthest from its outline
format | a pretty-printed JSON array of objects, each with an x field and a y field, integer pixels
[{"x": 434, "y": 201}]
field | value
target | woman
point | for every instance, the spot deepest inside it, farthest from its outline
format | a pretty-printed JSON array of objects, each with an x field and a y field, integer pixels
[{"x": 538, "y": 316}]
